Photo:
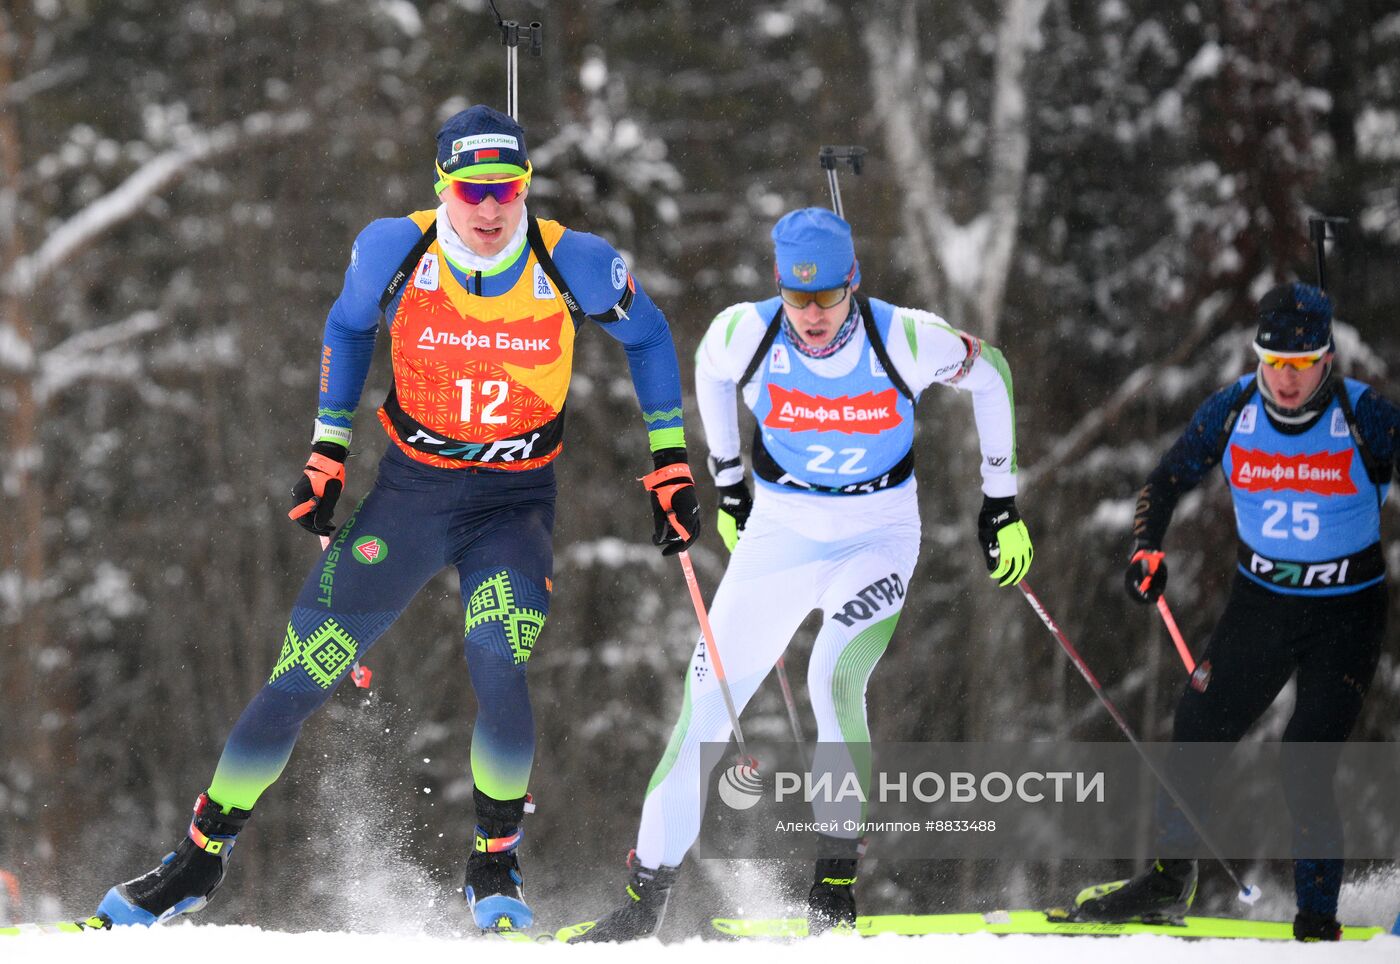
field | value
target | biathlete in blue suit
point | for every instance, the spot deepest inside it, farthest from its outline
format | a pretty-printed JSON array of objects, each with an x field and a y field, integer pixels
[
  {"x": 1309, "y": 457},
  {"x": 483, "y": 304}
]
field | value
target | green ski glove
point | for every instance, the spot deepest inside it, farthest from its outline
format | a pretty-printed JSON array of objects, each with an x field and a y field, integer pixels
[{"x": 1005, "y": 541}]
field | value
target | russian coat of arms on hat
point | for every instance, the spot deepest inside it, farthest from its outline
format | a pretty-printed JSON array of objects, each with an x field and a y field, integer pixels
[{"x": 805, "y": 271}]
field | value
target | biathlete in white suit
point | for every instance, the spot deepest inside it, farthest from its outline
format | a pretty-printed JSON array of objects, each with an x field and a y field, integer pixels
[{"x": 832, "y": 380}]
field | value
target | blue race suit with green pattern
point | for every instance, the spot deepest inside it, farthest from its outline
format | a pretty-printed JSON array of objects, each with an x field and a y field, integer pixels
[{"x": 494, "y": 526}]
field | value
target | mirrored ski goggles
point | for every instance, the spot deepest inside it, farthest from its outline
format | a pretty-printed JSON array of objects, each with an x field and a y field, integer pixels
[
  {"x": 476, "y": 190},
  {"x": 1300, "y": 360},
  {"x": 826, "y": 298}
]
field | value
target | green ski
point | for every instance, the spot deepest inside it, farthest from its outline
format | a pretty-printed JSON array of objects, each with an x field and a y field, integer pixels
[
  {"x": 1029, "y": 922},
  {"x": 55, "y": 927}
]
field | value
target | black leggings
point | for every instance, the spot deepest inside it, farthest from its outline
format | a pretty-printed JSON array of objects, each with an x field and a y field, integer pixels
[{"x": 1262, "y": 638}]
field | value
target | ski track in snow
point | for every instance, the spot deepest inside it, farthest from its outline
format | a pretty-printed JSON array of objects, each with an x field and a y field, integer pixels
[
  {"x": 385, "y": 913},
  {"x": 213, "y": 944}
]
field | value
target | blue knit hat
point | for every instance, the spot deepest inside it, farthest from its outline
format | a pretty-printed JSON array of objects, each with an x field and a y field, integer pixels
[
  {"x": 812, "y": 251},
  {"x": 480, "y": 140},
  {"x": 1295, "y": 318}
]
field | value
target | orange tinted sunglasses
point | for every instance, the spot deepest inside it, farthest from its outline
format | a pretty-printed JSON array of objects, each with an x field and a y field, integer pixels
[{"x": 1301, "y": 361}]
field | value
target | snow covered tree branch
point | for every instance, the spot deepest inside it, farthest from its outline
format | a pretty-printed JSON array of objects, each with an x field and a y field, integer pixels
[{"x": 127, "y": 198}]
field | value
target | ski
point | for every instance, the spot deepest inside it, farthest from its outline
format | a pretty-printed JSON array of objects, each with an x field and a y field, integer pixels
[
  {"x": 96, "y": 923},
  {"x": 533, "y": 936},
  {"x": 1029, "y": 922},
  {"x": 567, "y": 934},
  {"x": 516, "y": 935},
  {"x": 563, "y": 935},
  {"x": 55, "y": 927}
]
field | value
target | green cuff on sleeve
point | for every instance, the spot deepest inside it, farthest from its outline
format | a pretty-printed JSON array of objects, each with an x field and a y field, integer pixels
[{"x": 666, "y": 438}]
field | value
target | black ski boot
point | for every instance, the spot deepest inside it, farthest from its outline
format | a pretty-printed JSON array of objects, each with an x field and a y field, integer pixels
[
  {"x": 186, "y": 878},
  {"x": 831, "y": 903},
  {"x": 492, "y": 886},
  {"x": 647, "y": 894},
  {"x": 1310, "y": 926},
  {"x": 1161, "y": 894}
]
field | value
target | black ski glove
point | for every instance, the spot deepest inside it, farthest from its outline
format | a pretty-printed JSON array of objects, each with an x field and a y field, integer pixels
[
  {"x": 319, "y": 487},
  {"x": 1146, "y": 576},
  {"x": 674, "y": 507},
  {"x": 735, "y": 504}
]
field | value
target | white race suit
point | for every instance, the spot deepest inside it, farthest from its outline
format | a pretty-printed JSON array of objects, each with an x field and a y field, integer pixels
[{"x": 826, "y": 423}]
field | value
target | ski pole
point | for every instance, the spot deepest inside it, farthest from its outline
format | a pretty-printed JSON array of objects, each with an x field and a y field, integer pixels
[
  {"x": 793, "y": 720},
  {"x": 712, "y": 650},
  {"x": 1182, "y": 649},
  {"x": 783, "y": 684},
  {"x": 1247, "y": 893},
  {"x": 655, "y": 484},
  {"x": 829, "y": 157}
]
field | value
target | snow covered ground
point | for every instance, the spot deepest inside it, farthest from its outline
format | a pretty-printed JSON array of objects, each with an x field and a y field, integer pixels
[
  {"x": 213, "y": 944},
  {"x": 385, "y": 912}
]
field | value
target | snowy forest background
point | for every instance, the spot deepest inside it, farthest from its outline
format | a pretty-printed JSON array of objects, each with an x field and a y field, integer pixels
[{"x": 1101, "y": 187}]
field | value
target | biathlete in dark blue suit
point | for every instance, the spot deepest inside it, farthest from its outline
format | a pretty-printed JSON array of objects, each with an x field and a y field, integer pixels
[
  {"x": 1309, "y": 457},
  {"x": 483, "y": 304}
]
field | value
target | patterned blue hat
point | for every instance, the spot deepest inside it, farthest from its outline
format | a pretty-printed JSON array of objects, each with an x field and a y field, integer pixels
[
  {"x": 480, "y": 140},
  {"x": 1295, "y": 318},
  {"x": 812, "y": 250}
]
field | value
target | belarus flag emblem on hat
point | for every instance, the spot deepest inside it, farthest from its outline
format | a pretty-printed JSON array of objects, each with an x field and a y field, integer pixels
[{"x": 491, "y": 155}]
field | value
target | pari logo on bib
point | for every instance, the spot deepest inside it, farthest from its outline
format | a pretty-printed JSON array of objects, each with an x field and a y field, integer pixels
[
  {"x": 869, "y": 413},
  {"x": 1321, "y": 473}
]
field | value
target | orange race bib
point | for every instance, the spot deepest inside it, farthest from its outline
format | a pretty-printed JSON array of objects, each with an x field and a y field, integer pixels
[{"x": 479, "y": 381}]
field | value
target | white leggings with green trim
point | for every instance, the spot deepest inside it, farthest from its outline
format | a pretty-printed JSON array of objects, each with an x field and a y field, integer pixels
[{"x": 849, "y": 556}]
